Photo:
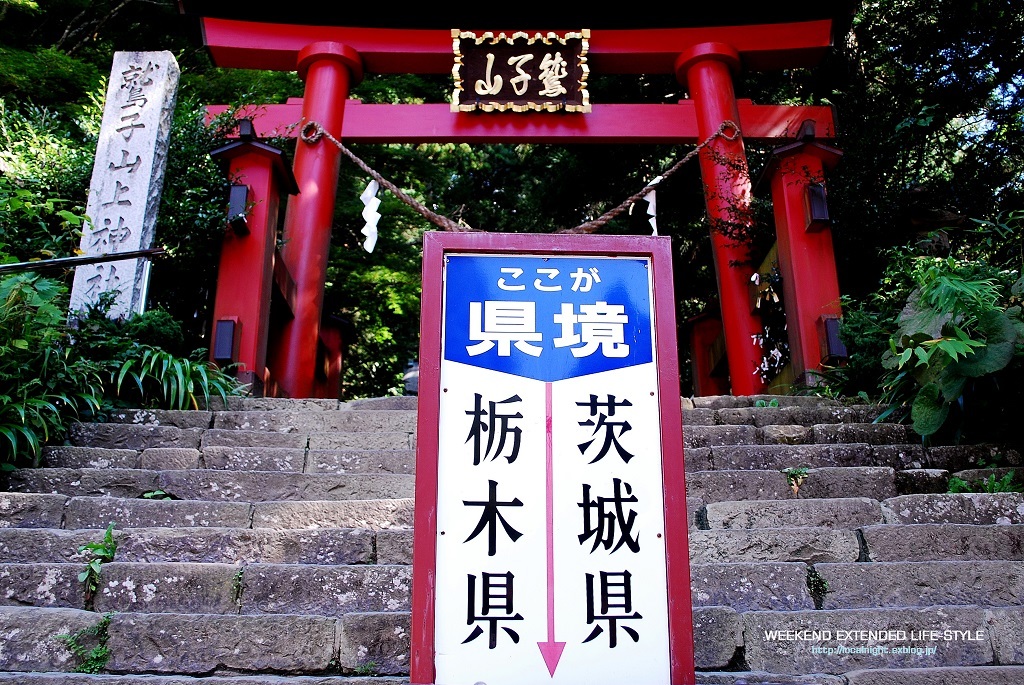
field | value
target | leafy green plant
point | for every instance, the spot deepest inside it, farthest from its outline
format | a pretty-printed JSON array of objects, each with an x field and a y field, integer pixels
[
  {"x": 795, "y": 476},
  {"x": 103, "y": 552},
  {"x": 157, "y": 494},
  {"x": 990, "y": 484},
  {"x": 238, "y": 587},
  {"x": 766, "y": 403},
  {"x": 91, "y": 659},
  {"x": 43, "y": 384},
  {"x": 817, "y": 587},
  {"x": 956, "y": 327}
]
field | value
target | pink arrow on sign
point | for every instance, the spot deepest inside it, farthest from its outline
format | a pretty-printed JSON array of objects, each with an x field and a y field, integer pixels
[{"x": 550, "y": 650}]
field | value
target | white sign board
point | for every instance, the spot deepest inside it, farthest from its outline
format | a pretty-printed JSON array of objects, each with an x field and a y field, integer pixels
[{"x": 550, "y": 534}]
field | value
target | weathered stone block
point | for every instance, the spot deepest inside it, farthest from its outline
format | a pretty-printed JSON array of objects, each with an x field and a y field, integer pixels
[
  {"x": 47, "y": 545},
  {"x": 28, "y": 637},
  {"x": 751, "y": 586},
  {"x": 1005, "y": 627},
  {"x": 870, "y": 433},
  {"x": 717, "y": 634},
  {"x": 697, "y": 458},
  {"x": 400, "y": 403},
  {"x": 200, "y": 644},
  {"x": 809, "y": 545},
  {"x": 710, "y": 436},
  {"x": 242, "y": 486},
  {"x": 378, "y": 420},
  {"x": 757, "y": 678},
  {"x": 362, "y": 461},
  {"x": 31, "y": 510},
  {"x": 849, "y": 512},
  {"x": 372, "y": 514},
  {"x": 921, "y": 481},
  {"x": 952, "y": 675},
  {"x": 67, "y": 457},
  {"x": 164, "y": 417},
  {"x": 892, "y": 643},
  {"x": 169, "y": 588},
  {"x": 394, "y": 547},
  {"x": 84, "y": 482},
  {"x": 128, "y": 436},
  {"x": 922, "y": 584},
  {"x": 974, "y": 508},
  {"x": 158, "y": 458},
  {"x": 786, "y": 435},
  {"x": 898, "y": 456},
  {"x": 960, "y": 457},
  {"x": 242, "y": 546},
  {"x": 99, "y": 512},
  {"x": 849, "y": 481},
  {"x": 269, "y": 421},
  {"x": 361, "y": 441},
  {"x": 699, "y": 417},
  {"x": 288, "y": 459},
  {"x": 381, "y": 639},
  {"x": 778, "y": 457},
  {"x": 41, "y": 585},
  {"x": 239, "y": 438},
  {"x": 931, "y": 542},
  {"x": 732, "y": 486},
  {"x": 325, "y": 590}
]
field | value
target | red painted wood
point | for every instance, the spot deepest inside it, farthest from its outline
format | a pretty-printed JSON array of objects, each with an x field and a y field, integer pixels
[
  {"x": 435, "y": 245},
  {"x": 706, "y": 71},
  {"x": 810, "y": 285},
  {"x": 246, "y": 262},
  {"x": 424, "y": 550},
  {"x": 677, "y": 546},
  {"x": 307, "y": 231},
  {"x": 258, "y": 45},
  {"x": 704, "y": 331},
  {"x": 435, "y": 123}
]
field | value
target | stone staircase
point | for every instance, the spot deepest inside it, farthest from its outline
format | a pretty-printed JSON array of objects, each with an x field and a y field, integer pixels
[{"x": 270, "y": 543}]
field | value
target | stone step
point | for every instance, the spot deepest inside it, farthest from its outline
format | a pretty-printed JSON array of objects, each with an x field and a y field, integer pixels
[
  {"x": 808, "y": 415},
  {"x": 253, "y": 589},
  {"x": 212, "y": 485},
  {"x": 840, "y": 512},
  {"x": 330, "y": 590},
  {"x": 973, "y": 508},
  {"x": 737, "y": 485},
  {"x": 31, "y": 510},
  {"x": 34, "y": 510},
  {"x": 212, "y": 545},
  {"x": 807, "y": 545},
  {"x": 942, "y": 541},
  {"x": 951, "y": 675},
  {"x": 741, "y": 401},
  {"x": 351, "y": 421},
  {"x": 770, "y": 642},
  {"x": 922, "y": 583},
  {"x": 80, "y": 679}
]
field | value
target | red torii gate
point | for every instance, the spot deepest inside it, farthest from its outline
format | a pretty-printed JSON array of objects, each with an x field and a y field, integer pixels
[{"x": 704, "y": 59}]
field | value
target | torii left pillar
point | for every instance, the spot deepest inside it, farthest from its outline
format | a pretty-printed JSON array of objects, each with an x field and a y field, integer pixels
[
  {"x": 706, "y": 70},
  {"x": 329, "y": 69}
]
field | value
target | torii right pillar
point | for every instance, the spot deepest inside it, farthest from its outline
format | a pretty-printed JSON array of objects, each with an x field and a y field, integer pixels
[
  {"x": 807, "y": 264},
  {"x": 706, "y": 70}
]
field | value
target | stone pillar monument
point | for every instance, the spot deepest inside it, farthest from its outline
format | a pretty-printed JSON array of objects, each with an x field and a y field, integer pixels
[{"x": 127, "y": 178}]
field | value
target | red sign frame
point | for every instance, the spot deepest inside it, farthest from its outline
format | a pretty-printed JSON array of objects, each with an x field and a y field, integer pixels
[{"x": 658, "y": 250}]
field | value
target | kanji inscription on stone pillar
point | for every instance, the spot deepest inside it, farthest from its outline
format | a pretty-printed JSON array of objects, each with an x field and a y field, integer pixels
[{"x": 127, "y": 179}]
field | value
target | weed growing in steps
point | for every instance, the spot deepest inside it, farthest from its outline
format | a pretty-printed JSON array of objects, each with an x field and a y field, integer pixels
[
  {"x": 102, "y": 553},
  {"x": 92, "y": 659}
]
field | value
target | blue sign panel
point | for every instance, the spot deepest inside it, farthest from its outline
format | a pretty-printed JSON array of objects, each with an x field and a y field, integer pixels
[{"x": 547, "y": 318}]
